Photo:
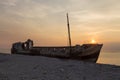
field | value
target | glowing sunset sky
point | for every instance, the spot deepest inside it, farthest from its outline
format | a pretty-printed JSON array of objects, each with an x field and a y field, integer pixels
[{"x": 44, "y": 21}]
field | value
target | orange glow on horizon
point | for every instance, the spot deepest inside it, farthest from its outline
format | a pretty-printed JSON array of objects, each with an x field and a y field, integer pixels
[{"x": 93, "y": 41}]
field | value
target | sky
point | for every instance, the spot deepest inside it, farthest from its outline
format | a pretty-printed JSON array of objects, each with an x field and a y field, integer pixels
[{"x": 44, "y": 21}]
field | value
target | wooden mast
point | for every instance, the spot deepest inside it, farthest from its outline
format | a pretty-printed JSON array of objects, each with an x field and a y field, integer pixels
[{"x": 69, "y": 32}]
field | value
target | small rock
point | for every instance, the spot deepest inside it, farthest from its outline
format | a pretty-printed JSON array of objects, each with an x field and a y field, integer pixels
[
  {"x": 45, "y": 72},
  {"x": 62, "y": 70}
]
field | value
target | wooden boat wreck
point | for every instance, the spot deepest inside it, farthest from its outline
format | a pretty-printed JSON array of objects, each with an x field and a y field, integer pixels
[{"x": 85, "y": 52}]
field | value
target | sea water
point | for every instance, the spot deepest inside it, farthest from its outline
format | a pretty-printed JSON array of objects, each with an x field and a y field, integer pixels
[
  {"x": 5, "y": 50},
  {"x": 109, "y": 58}
]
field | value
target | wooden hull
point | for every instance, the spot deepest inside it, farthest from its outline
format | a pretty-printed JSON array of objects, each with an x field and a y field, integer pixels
[{"x": 86, "y": 52}]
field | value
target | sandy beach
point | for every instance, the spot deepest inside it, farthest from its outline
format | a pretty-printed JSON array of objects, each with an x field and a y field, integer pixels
[{"x": 20, "y": 67}]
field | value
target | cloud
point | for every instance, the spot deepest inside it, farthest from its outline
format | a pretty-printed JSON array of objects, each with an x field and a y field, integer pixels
[
  {"x": 47, "y": 17},
  {"x": 8, "y": 2},
  {"x": 84, "y": 10},
  {"x": 95, "y": 10},
  {"x": 31, "y": 8},
  {"x": 104, "y": 31}
]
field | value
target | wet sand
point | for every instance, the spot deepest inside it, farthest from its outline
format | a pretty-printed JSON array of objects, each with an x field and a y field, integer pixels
[{"x": 20, "y": 67}]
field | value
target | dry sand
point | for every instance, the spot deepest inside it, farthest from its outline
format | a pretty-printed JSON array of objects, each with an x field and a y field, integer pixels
[{"x": 20, "y": 67}]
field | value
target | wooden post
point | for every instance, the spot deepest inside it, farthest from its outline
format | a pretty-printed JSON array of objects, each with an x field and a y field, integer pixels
[{"x": 69, "y": 32}]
